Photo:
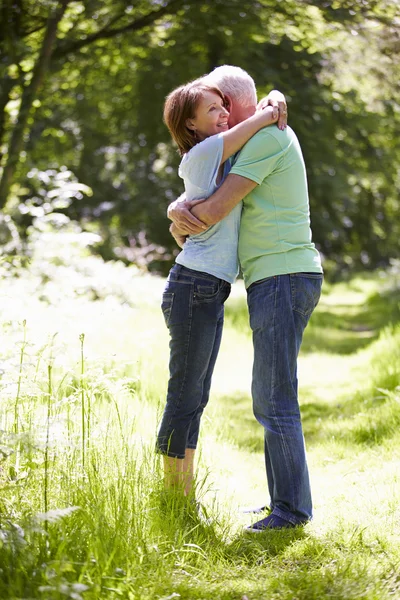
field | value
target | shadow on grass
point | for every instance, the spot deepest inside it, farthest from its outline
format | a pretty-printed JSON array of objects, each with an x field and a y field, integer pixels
[
  {"x": 339, "y": 329},
  {"x": 282, "y": 565},
  {"x": 357, "y": 421},
  {"x": 221, "y": 563},
  {"x": 177, "y": 520},
  {"x": 367, "y": 418},
  {"x": 257, "y": 549},
  {"x": 363, "y": 420},
  {"x": 346, "y": 328}
]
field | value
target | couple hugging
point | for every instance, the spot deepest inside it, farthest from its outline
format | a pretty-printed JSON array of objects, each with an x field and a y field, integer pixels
[{"x": 246, "y": 202}]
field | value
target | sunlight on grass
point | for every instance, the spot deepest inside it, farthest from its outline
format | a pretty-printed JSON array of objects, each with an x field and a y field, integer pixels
[{"x": 81, "y": 508}]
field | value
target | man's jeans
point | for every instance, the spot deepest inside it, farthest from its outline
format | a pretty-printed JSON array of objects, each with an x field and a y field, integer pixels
[
  {"x": 193, "y": 307},
  {"x": 280, "y": 308}
]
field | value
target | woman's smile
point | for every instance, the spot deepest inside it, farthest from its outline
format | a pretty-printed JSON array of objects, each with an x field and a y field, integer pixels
[{"x": 210, "y": 118}]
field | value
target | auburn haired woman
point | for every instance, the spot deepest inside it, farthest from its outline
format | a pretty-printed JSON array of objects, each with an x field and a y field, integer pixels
[{"x": 200, "y": 280}]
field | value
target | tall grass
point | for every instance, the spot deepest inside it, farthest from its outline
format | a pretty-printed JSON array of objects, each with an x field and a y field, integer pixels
[
  {"x": 21, "y": 365},
  {"x": 82, "y": 509}
]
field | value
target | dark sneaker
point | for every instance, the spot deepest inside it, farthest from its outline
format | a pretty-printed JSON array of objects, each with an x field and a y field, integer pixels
[{"x": 270, "y": 522}]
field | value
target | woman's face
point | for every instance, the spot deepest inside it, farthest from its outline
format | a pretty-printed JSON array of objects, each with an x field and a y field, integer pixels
[{"x": 210, "y": 117}]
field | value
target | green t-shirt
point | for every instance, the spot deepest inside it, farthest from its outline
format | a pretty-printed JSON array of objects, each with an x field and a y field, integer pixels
[{"x": 275, "y": 234}]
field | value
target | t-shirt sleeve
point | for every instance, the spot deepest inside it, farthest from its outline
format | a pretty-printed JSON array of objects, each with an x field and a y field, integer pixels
[
  {"x": 259, "y": 157},
  {"x": 199, "y": 167}
]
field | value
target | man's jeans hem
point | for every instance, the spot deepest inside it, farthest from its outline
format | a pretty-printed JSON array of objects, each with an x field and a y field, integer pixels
[
  {"x": 289, "y": 517},
  {"x": 279, "y": 309}
]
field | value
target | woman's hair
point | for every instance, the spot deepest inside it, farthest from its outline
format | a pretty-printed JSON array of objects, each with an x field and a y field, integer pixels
[{"x": 180, "y": 105}]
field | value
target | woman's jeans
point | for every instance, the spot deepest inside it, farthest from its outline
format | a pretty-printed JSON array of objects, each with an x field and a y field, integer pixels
[
  {"x": 280, "y": 308},
  {"x": 193, "y": 307}
]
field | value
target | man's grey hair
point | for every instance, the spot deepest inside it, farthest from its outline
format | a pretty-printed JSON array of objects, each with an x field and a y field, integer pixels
[{"x": 234, "y": 82}]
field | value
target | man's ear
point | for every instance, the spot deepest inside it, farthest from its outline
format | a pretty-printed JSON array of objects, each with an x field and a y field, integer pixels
[
  {"x": 190, "y": 125},
  {"x": 228, "y": 102}
]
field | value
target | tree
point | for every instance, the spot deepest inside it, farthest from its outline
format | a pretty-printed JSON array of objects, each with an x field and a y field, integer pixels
[
  {"x": 29, "y": 94},
  {"x": 113, "y": 22},
  {"x": 99, "y": 110}
]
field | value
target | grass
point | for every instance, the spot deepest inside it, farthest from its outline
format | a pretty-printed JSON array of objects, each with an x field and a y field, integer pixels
[{"x": 82, "y": 514}]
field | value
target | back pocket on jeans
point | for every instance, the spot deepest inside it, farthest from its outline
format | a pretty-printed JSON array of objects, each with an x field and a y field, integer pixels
[
  {"x": 306, "y": 291},
  {"x": 166, "y": 305}
]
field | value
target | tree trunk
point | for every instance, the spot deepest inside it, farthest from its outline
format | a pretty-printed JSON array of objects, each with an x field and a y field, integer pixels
[
  {"x": 7, "y": 86},
  {"x": 28, "y": 96}
]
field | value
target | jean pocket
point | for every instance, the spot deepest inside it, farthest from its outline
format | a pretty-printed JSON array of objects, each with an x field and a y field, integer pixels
[
  {"x": 262, "y": 301},
  {"x": 306, "y": 291},
  {"x": 206, "y": 290},
  {"x": 166, "y": 305}
]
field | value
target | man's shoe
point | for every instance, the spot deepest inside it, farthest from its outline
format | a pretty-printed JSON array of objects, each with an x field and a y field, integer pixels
[{"x": 270, "y": 522}]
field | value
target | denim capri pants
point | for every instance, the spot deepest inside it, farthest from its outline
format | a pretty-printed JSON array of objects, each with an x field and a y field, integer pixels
[{"x": 193, "y": 308}]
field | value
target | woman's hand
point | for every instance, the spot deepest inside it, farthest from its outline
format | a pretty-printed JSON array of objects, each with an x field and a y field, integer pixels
[
  {"x": 278, "y": 101},
  {"x": 179, "y": 238},
  {"x": 269, "y": 113}
]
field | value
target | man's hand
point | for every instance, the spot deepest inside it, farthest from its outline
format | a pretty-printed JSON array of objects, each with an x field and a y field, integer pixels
[
  {"x": 278, "y": 101},
  {"x": 178, "y": 237},
  {"x": 224, "y": 199},
  {"x": 186, "y": 223}
]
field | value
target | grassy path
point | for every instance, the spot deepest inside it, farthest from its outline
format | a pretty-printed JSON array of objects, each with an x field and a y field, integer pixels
[
  {"x": 351, "y": 417},
  {"x": 81, "y": 515}
]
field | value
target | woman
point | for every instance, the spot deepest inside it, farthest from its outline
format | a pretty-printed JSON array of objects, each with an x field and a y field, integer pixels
[{"x": 200, "y": 281}]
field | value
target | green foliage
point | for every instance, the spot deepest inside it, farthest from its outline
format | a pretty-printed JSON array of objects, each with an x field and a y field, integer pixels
[
  {"x": 99, "y": 110},
  {"x": 84, "y": 339}
]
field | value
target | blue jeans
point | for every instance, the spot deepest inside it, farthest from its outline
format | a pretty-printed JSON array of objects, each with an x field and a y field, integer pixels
[
  {"x": 193, "y": 307},
  {"x": 280, "y": 308}
]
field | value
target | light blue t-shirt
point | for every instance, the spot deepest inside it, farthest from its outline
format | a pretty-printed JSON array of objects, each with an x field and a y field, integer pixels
[{"x": 215, "y": 251}]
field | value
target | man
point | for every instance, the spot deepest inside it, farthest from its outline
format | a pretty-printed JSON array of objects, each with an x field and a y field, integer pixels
[{"x": 283, "y": 277}]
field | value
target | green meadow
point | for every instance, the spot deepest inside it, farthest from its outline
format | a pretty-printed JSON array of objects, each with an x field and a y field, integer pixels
[{"x": 83, "y": 373}]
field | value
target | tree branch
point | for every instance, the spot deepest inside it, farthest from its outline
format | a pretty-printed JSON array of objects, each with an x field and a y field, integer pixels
[
  {"x": 106, "y": 33},
  {"x": 26, "y": 33},
  {"x": 28, "y": 96},
  {"x": 7, "y": 86}
]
